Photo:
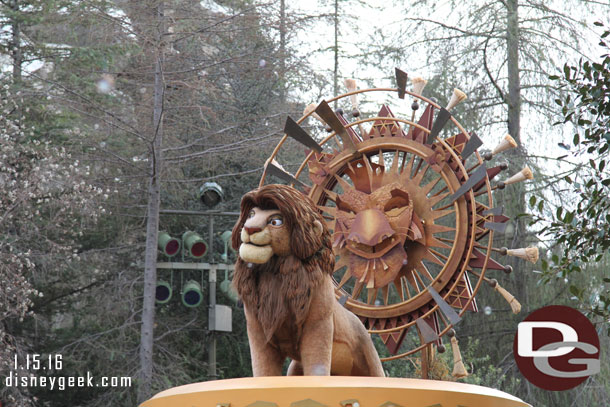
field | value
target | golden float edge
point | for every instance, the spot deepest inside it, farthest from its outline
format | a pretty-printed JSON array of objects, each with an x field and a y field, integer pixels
[{"x": 332, "y": 391}]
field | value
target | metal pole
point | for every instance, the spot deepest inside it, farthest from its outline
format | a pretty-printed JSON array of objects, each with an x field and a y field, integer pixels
[
  {"x": 211, "y": 239},
  {"x": 212, "y": 304},
  {"x": 212, "y": 341},
  {"x": 196, "y": 213}
]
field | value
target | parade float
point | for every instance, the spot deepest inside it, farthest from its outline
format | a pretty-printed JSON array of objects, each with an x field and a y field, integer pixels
[{"x": 407, "y": 206}]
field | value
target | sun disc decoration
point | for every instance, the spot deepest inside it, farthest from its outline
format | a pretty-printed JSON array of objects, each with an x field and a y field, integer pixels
[{"x": 411, "y": 212}]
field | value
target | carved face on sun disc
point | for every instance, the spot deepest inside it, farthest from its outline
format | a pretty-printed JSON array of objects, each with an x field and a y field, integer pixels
[{"x": 371, "y": 231}]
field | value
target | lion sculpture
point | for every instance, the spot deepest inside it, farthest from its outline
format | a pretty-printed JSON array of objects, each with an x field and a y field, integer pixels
[{"x": 283, "y": 277}]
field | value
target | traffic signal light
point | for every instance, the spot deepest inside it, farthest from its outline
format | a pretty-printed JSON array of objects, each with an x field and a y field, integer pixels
[
  {"x": 170, "y": 246},
  {"x": 195, "y": 246},
  {"x": 192, "y": 294},
  {"x": 163, "y": 292}
]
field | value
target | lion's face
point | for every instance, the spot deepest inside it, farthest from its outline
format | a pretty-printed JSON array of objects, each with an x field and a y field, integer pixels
[
  {"x": 263, "y": 235},
  {"x": 278, "y": 220},
  {"x": 371, "y": 230}
]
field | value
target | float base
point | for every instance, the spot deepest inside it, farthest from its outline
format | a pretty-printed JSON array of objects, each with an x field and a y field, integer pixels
[{"x": 333, "y": 391}]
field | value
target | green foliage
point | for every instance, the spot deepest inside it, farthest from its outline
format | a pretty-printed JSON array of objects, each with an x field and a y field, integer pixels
[
  {"x": 583, "y": 231},
  {"x": 483, "y": 372}
]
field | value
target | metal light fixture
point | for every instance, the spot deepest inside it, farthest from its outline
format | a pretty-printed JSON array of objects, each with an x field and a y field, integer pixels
[
  {"x": 163, "y": 292},
  {"x": 194, "y": 244},
  {"x": 170, "y": 246},
  {"x": 211, "y": 194},
  {"x": 227, "y": 289},
  {"x": 226, "y": 238},
  {"x": 192, "y": 294}
]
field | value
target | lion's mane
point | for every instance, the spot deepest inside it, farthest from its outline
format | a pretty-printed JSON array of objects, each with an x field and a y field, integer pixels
[{"x": 280, "y": 290}]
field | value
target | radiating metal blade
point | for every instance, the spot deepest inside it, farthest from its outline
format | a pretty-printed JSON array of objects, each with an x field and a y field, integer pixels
[
  {"x": 401, "y": 82},
  {"x": 471, "y": 146},
  {"x": 327, "y": 114},
  {"x": 441, "y": 119},
  {"x": 427, "y": 333},
  {"x": 474, "y": 179},
  {"x": 295, "y": 131},
  {"x": 477, "y": 261},
  {"x": 446, "y": 309},
  {"x": 276, "y": 171},
  {"x": 494, "y": 211},
  {"x": 495, "y": 226}
]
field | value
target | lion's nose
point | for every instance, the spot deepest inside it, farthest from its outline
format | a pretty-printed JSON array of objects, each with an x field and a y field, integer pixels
[
  {"x": 370, "y": 227},
  {"x": 252, "y": 230}
]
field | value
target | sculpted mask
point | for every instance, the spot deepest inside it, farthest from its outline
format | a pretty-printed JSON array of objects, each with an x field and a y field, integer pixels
[{"x": 371, "y": 230}]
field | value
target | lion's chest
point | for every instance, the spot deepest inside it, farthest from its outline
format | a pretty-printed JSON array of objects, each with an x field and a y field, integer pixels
[
  {"x": 282, "y": 305},
  {"x": 286, "y": 339}
]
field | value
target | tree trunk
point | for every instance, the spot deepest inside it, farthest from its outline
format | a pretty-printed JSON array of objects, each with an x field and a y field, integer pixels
[
  {"x": 336, "y": 50},
  {"x": 516, "y": 156},
  {"x": 15, "y": 44},
  {"x": 283, "y": 53},
  {"x": 514, "y": 85},
  {"x": 152, "y": 220}
]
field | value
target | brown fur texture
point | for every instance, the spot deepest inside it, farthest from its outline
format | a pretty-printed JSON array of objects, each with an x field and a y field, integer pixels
[
  {"x": 289, "y": 301},
  {"x": 287, "y": 295}
]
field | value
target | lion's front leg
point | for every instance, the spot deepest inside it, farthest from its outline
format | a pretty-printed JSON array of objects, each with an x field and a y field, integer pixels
[
  {"x": 266, "y": 360},
  {"x": 316, "y": 343},
  {"x": 316, "y": 347}
]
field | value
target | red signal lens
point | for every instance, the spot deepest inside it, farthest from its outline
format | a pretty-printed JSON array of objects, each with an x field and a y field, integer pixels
[
  {"x": 198, "y": 249},
  {"x": 172, "y": 247}
]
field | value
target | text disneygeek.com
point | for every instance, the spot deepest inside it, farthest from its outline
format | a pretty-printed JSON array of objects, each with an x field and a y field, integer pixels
[
  {"x": 27, "y": 367},
  {"x": 61, "y": 382}
]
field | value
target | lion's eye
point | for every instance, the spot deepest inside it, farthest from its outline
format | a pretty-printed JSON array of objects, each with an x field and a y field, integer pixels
[
  {"x": 251, "y": 214},
  {"x": 395, "y": 203},
  {"x": 275, "y": 221},
  {"x": 345, "y": 207}
]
